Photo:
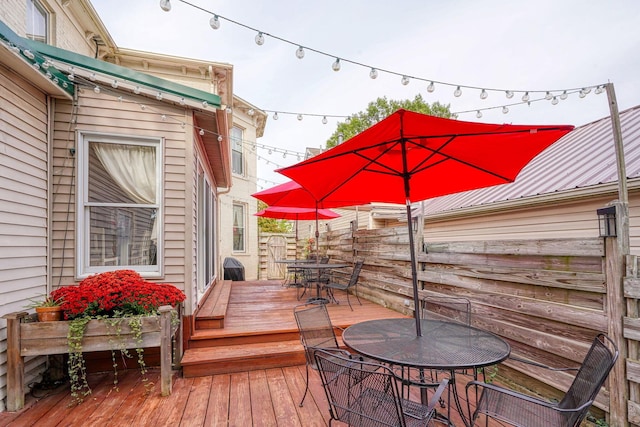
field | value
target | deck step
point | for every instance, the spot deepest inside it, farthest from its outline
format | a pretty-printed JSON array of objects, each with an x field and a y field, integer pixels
[
  {"x": 212, "y": 314},
  {"x": 198, "y": 362}
]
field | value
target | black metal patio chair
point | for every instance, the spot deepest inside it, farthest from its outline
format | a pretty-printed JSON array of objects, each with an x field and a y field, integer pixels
[
  {"x": 522, "y": 410},
  {"x": 366, "y": 394},
  {"x": 351, "y": 284}
]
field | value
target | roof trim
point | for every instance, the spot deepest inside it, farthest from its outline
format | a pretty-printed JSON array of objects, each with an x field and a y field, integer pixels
[
  {"x": 33, "y": 59},
  {"x": 124, "y": 73}
]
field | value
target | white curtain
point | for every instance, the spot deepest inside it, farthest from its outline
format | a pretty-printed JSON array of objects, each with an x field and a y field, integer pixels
[{"x": 132, "y": 167}]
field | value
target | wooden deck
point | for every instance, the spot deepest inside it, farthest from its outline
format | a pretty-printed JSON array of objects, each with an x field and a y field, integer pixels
[{"x": 253, "y": 396}]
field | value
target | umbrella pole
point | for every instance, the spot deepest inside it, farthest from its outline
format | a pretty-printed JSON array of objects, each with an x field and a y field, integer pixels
[{"x": 414, "y": 271}]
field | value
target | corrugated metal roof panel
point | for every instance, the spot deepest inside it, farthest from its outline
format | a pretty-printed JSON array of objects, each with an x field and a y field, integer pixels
[{"x": 583, "y": 158}]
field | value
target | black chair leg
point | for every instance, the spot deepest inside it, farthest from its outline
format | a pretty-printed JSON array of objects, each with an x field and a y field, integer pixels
[{"x": 306, "y": 388}]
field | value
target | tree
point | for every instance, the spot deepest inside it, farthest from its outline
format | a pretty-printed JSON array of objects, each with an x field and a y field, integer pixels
[
  {"x": 380, "y": 109},
  {"x": 272, "y": 225}
]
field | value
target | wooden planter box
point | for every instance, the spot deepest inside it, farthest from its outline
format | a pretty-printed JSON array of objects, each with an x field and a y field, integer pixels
[{"x": 44, "y": 338}]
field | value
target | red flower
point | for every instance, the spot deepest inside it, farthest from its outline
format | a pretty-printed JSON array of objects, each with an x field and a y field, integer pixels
[{"x": 120, "y": 292}]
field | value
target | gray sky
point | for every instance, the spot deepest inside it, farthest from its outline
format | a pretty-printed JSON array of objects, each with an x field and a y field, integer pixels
[{"x": 535, "y": 45}]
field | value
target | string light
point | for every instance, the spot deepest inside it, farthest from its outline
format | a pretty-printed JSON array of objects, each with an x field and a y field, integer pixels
[
  {"x": 483, "y": 94},
  {"x": 259, "y": 38},
  {"x": 431, "y": 87},
  {"x": 215, "y": 23},
  {"x": 165, "y": 5},
  {"x": 554, "y": 101},
  {"x": 526, "y": 97},
  {"x": 300, "y": 52},
  {"x": 404, "y": 80},
  {"x": 457, "y": 92}
]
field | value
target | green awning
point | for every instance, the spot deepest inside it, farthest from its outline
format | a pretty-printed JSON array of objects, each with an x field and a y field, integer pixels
[
  {"x": 22, "y": 47},
  {"x": 126, "y": 74},
  {"x": 40, "y": 56}
]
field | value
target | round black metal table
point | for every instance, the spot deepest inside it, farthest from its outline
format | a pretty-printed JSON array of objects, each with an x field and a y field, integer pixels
[{"x": 443, "y": 345}]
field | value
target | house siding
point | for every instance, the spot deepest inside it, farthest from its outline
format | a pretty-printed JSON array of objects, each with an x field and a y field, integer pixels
[
  {"x": 24, "y": 160},
  {"x": 103, "y": 113}
]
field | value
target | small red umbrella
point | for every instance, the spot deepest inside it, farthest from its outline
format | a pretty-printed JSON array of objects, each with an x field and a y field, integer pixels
[
  {"x": 410, "y": 156},
  {"x": 291, "y": 194},
  {"x": 297, "y": 214}
]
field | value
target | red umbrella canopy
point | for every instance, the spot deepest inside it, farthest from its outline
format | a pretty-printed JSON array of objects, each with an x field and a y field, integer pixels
[
  {"x": 292, "y": 213},
  {"x": 291, "y": 194},
  {"x": 418, "y": 156}
]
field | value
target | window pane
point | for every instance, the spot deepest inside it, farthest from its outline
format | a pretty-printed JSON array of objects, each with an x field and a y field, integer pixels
[
  {"x": 121, "y": 173},
  {"x": 36, "y": 21},
  {"x": 237, "y": 163},
  {"x": 238, "y": 227},
  {"x": 122, "y": 236}
]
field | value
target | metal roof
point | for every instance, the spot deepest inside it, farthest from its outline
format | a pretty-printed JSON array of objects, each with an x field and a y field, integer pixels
[{"x": 581, "y": 159}]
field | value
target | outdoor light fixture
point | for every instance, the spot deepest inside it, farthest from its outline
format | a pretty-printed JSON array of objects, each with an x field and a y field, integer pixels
[
  {"x": 431, "y": 87},
  {"x": 165, "y": 5},
  {"x": 607, "y": 221},
  {"x": 214, "y": 22},
  {"x": 373, "y": 73},
  {"x": 300, "y": 52},
  {"x": 259, "y": 39}
]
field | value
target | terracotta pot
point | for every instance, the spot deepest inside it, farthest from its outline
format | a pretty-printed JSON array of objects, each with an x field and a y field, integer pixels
[{"x": 49, "y": 314}]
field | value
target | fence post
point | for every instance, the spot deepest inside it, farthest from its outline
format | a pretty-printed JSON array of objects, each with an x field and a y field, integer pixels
[{"x": 618, "y": 387}]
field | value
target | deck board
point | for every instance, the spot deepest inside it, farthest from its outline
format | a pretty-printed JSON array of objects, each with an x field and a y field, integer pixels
[{"x": 262, "y": 397}]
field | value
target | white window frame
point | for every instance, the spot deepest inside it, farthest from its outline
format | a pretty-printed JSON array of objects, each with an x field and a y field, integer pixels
[
  {"x": 83, "y": 244},
  {"x": 237, "y": 142},
  {"x": 207, "y": 234},
  {"x": 244, "y": 227},
  {"x": 35, "y": 6}
]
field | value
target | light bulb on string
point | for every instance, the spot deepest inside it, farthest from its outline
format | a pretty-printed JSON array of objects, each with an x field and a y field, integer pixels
[
  {"x": 251, "y": 112},
  {"x": 114, "y": 84},
  {"x": 300, "y": 52},
  {"x": 586, "y": 90},
  {"x": 324, "y": 120},
  {"x": 163, "y": 117},
  {"x": 229, "y": 110},
  {"x": 548, "y": 96},
  {"x": 483, "y": 94},
  {"x": 205, "y": 104},
  {"x": 219, "y": 138},
  {"x": 270, "y": 151},
  {"x": 28, "y": 54},
  {"x": 136, "y": 90},
  {"x": 457, "y": 92},
  {"x": 526, "y": 97},
  {"x": 431, "y": 87},
  {"x": 182, "y": 101},
  {"x": 509, "y": 95},
  {"x": 284, "y": 155},
  {"x": 582, "y": 93},
  {"x": 564, "y": 95},
  {"x": 554, "y": 101},
  {"x": 201, "y": 132},
  {"x": 275, "y": 116},
  {"x": 165, "y": 5},
  {"x": 336, "y": 65},
  {"x": 214, "y": 22},
  {"x": 405, "y": 80},
  {"x": 479, "y": 114},
  {"x": 373, "y": 73},
  {"x": 259, "y": 39},
  {"x": 96, "y": 89},
  {"x": 143, "y": 107},
  {"x": 299, "y": 117},
  {"x": 505, "y": 109},
  {"x": 159, "y": 96},
  {"x": 599, "y": 90},
  {"x": 92, "y": 77}
]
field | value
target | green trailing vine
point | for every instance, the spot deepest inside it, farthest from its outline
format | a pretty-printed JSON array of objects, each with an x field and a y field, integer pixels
[{"x": 76, "y": 366}]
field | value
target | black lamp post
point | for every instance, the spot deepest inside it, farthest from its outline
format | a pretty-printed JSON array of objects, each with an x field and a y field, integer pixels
[{"x": 607, "y": 221}]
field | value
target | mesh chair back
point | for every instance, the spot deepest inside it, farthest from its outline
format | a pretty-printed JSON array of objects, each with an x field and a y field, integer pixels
[
  {"x": 316, "y": 330},
  {"x": 450, "y": 308},
  {"x": 355, "y": 274},
  {"x": 358, "y": 394},
  {"x": 590, "y": 377}
]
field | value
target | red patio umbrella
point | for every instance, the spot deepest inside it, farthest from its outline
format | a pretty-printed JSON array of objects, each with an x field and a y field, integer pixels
[
  {"x": 410, "y": 156},
  {"x": 290, "y": 196}
]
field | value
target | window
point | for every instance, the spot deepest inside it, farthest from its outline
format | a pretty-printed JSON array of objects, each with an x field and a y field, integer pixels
[
  {"x": 37, "y": 21},
  {"x": 238, "y": 228},
  {"x": 206, "y": 233},
  {"x": 237, "y": 161},
  {"x": 120, "y": 214}
]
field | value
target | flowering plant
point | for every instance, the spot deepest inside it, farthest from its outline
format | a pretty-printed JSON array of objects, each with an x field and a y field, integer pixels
[
  {"x": 112, "y": 296},
  {"x": 119, "y": 293}
]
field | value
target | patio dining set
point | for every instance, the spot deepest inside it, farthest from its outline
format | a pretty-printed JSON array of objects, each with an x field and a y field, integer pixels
[{"x": 371, "y": 382}]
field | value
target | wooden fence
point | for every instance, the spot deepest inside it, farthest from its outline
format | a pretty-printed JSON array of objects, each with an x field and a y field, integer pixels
[{"x": 547, "y": 298}]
